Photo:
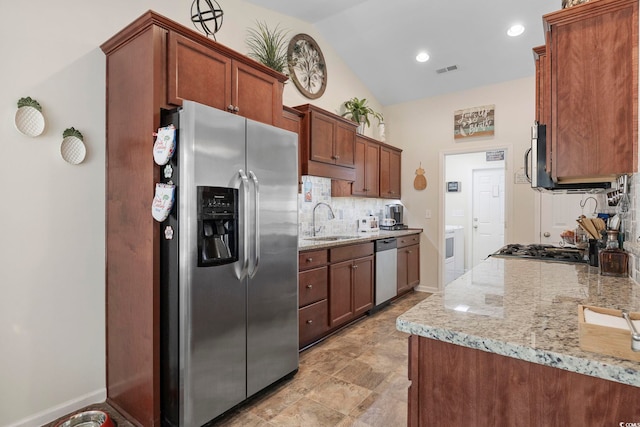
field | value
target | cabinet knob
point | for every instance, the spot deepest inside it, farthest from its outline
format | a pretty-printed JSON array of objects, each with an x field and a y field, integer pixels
[
  {"x": 409, "y": 252},
  {"x": 236, "y": 109},
  {"x": 309, "y": 259},
  {"x": 230, "y": 108},
  {"x": 309, "y": 286},
  {"x": 354, "y": 266},
  {"x": 309, "y": 322},
  {"x": 336, "y": 157}
]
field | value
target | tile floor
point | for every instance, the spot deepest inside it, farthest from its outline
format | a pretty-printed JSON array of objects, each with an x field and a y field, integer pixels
[{"x": 355, "y": 378}]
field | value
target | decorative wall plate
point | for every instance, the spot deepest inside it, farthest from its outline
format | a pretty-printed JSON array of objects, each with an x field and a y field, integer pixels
[
  {"x": 307, "y": 67},
  {"x": 29, "y": 120},
  {"x": 72, "y": 148}
]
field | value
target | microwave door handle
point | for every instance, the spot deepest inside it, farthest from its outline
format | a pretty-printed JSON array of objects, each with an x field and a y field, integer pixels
[
  {"x": 245, "y": 227},
  {"x": 526, "y": 164},
  {"x": 256, "y": 216}
]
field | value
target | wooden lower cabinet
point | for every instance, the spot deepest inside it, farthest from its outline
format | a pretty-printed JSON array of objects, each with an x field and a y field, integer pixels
[
  {"x": 350, "y": 290},
  {"x": 408, "y": 263},
  {"x": 335, "y": 288},
  {"x": 452, "y": 385},
  {"x": 312, "y": 322}
]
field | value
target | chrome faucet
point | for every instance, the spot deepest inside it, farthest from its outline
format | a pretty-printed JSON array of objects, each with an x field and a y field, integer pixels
[{"x": 331, "y": 215}]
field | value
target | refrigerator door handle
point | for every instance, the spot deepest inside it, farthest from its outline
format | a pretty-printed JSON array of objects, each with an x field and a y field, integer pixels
[
  {"x": 245, "y": 226},
  {"x": 256, "y": 217}
]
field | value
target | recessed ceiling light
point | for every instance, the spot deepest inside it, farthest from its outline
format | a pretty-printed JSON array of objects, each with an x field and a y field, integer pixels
[
  {"x": 515, "y": 30},
  {"x": 422, "y": 57}
]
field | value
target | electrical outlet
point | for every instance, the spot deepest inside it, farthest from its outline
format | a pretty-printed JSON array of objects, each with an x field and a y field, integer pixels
[{"x": 427, "y": 214}]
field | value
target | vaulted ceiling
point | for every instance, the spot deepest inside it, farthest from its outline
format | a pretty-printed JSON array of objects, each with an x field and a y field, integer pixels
[{"x": 380, "y": 39}]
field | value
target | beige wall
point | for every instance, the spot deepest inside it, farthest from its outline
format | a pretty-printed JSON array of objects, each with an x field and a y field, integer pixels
[
  {"x": 52, "y": 246},
  {"x": 52, "y": 326},
  {"x": 424, "y": 130}
]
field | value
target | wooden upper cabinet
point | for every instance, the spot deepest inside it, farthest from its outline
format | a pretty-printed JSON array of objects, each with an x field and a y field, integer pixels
[
  {"x": 202, "y": 73},
  {"x": 197, "y": 73},
  {"x": 327, "y": 144},
  {"x": 390, "y": 163},
  {"x": 543, "y": 98},
  {"x": 592, "y": 54},
  {"x": 367, "y": 157}
]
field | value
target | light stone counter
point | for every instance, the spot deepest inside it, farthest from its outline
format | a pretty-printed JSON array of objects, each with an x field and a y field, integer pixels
[
  {"x": 527, "y": 309},
  {"x": 307, "y": 243}
]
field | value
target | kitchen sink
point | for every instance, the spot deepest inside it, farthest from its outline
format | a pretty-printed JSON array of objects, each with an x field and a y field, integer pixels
[{"x": 331, "y": 238}]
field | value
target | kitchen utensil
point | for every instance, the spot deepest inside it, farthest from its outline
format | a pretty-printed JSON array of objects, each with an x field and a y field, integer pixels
[{"x": 587, "y": 225}]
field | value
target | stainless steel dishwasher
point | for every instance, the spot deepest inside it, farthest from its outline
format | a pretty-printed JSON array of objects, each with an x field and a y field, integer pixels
[{"x": 386, "y": 270}]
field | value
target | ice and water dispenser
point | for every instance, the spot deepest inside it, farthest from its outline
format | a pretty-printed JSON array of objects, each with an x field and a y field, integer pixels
[{"x": 217, "y": 226}]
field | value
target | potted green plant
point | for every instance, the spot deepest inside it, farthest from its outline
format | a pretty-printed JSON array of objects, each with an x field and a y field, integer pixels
[
  {"x": 268, "y": 46},
  {"x": 358, "y": 111}
]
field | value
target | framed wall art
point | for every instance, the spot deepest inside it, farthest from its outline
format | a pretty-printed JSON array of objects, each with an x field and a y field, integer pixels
[{"x": 474, "y": 122}]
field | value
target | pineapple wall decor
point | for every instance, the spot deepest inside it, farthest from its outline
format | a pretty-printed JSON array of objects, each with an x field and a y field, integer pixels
[{"x": 29, "y": 120}]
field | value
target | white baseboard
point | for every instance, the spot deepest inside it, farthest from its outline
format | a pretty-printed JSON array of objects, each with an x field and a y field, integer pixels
[
  {"x": 52, "y": 414},
  {"x": 429, "y": 289}
]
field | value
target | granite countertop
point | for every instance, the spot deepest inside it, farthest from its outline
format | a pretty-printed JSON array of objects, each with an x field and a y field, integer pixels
[
  {"x": 527, "y": 309},
  {"x": 307, "y": 243}
]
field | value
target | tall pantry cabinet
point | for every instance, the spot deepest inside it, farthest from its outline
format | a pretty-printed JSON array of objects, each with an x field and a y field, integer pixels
[{"x": 155, "y": 63}]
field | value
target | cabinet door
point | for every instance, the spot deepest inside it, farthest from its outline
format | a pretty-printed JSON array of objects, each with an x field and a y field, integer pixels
[
  {"x": 413, "y": 265},
  {"x": 594, "y": 71},
  {"x": 197, "y": 73},
  {"x": 344, "y": 145},
  {"x": 408, "y": 268},
  {"x": 403, "y": 274},
  {"x": 340, "y": 293},
  {"x": 363, "y": 285},
  {"x": 367, "y": 162},
  {"x": 322, "y": 137},
  {"x": 389, "y": 173},
  {"x": 256, "y": 95},
  {"x": 359, "y": 187},
  {"x": 372, "y": 169}
]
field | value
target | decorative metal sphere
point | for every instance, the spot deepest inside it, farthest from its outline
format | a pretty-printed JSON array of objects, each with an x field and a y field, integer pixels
[{"x": 202, "y": 16}]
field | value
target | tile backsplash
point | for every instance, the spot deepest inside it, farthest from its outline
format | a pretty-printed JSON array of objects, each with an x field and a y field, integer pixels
[{"x": 347, "y": 210}]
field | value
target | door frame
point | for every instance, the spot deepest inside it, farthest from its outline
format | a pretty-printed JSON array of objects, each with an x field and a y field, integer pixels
[{"x": 508, "y": 196}]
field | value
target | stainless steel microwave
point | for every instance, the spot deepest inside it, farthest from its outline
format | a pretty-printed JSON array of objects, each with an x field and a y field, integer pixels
[{"x": 535, "y": 167}]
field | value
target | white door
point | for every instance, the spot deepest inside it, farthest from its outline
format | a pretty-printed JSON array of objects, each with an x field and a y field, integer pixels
[
  {"x": 558, "y": 212},
  {"x": 487, "y": 230}
]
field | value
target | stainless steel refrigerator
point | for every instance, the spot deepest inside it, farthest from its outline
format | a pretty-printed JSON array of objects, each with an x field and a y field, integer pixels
[{"x": 229, "y": 287}]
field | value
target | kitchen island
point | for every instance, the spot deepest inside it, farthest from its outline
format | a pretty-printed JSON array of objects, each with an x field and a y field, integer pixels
[{"x": 500, "y": 346}]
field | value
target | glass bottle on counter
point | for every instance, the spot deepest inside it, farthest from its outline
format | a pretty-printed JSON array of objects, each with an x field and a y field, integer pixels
[{"x": 613, "y": 260}]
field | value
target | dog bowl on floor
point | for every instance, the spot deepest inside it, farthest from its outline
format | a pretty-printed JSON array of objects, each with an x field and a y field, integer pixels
[{"x": 88, "y": 419}]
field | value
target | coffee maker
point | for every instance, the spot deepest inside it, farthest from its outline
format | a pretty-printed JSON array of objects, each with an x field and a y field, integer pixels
[{"x": 394, "y": 211}]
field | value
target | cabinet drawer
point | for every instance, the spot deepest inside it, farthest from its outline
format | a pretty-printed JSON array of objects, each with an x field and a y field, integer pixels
[
  {"x": 413, "y": 239},
  {"x": 312, "y": 322},
  {"x": 312, "y": 286},
  {"x": 351, "y": 252},
  {"x": 312, "y": 259}
]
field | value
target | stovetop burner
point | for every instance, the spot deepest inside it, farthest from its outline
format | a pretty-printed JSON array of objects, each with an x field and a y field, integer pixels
[{"x": 541, "y": 251}]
